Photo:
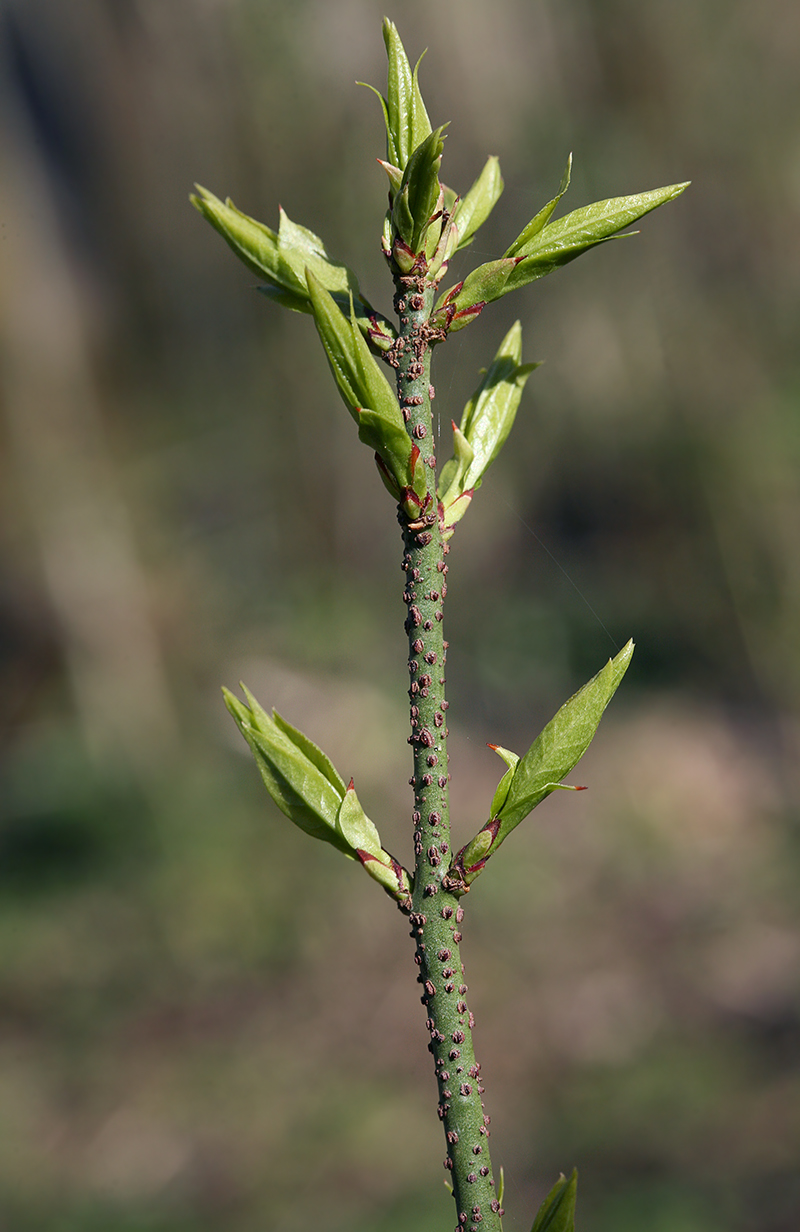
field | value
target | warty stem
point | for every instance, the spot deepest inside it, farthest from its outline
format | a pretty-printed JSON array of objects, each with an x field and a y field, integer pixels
[{"x": 436, "y": 916}]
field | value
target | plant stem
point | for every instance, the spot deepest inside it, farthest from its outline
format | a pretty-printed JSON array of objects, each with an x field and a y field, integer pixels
[{"x": 436, "y": 916}]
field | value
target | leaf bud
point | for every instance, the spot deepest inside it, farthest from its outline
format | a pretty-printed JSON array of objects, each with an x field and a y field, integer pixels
[{"x": 384, "y": 869}]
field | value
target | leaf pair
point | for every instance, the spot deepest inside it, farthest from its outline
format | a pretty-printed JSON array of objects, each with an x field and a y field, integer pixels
[
  {"x": 309, "y": 790},
  {"x": 530, "y": 779},
  {"x": 282, "y": 257},
  {"x": 485, "y": 424},
  {"x": 544, "y": 246}
]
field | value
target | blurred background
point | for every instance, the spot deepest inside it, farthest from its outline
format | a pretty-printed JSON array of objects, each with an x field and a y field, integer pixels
[{"x": 208, "y": 1022}]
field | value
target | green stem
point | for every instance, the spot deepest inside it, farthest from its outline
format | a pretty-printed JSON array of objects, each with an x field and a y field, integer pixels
[{"x": 436, "y": 916}]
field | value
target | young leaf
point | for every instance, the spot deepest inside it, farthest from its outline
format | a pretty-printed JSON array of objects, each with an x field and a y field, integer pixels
[
  {"x": 555, "y": 245},
  {"x": 306, "y": 787},
  {"x": 364, "y": 389},
  {"x": 593, "y": 223},
  {"x": 357, "y": 374},
  {"x": 556, "y": 751},
  {"x": 312, "y": 751},
  {"x": 254, "y": 242},
  {"x": 300, "y": 249},
  {"x": 557, "y": 1212},
  {"x": 451, "y": 479},
  {"x": 543, "y": 217},
  {"x": 487, "y": 420},
  {"x": 562, "y": 743},
  {"x": 419, "y": 193},
  {"x": 407, "y": 123},
  {"x": 392, "y": 445},
  {"x": 355, "y": 827},
  {"x": 501, "y": 791},
  {"x": 472, "y": 211},
  {"x": 301, "y": 790},
  {"x": 282, "y": 258},
  {"x": 489, "y": 415}
]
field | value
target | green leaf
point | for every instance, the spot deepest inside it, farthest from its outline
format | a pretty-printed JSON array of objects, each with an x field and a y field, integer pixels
[
  {"x": 489, "y": 415},
  {"x": 481, "y": 286},
  {"x": 391, "y": 442},
  {"x": 557, "y": 1212},
  {"x": 359, "y": 378},
  {"x": 395, "y": 178},
  {"x": 486, "y": 422},
  {"x": 543, "y": 217},
  {"x": 551, "y": 247},
  {"x": 253, "y": 242},
  {"x": 501, "y": 791},
  {"x": 283, "y": 257},
  {"x": 511, "y": 759},
  {"x": 355, "y": 827},
  {"x": 306, "y": 746},
  {"x": 407, "y": 123},
  {"x": 419, "y": 193},
  {"x": 384, "y": 869},
  {"x": 473, "y": 210},
  {"x": 306, "y": 787},
  {"x": 300, "y": 249},
  {"x": 562, "y": 743},
  {"x": 551, "y": 756},
  {"x": 451, "y": 479},
  {"x": 298, "y": 786},
  {"x": 562, "y": 241},
  {"x": 593, "y": 223}
]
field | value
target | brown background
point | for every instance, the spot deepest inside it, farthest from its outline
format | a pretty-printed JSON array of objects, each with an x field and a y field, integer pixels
[{"x": 208, "y": 1022}]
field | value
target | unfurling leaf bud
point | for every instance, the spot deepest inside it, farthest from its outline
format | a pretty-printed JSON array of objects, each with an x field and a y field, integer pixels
[
  {"x": 530, "y": 779},
  {"x": 414, "y": 209},
  {"x": 544, "y": 246},
  {"x": 407, "y": 123},
  {"x": 306, "y": 787},
  {"x": 297, "y": 774},
  {"x": 384, "y": 869},
  {"x": 485, "y": 424},
  {"x": 282, "y": 258}
]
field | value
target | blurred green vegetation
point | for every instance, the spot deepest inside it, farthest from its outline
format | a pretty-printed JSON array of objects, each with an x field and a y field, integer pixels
[{"x": 205, "y": 1021}]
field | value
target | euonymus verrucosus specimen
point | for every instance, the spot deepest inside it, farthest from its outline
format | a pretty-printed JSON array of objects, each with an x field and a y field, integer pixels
[{"x": 382, "y": 371}]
